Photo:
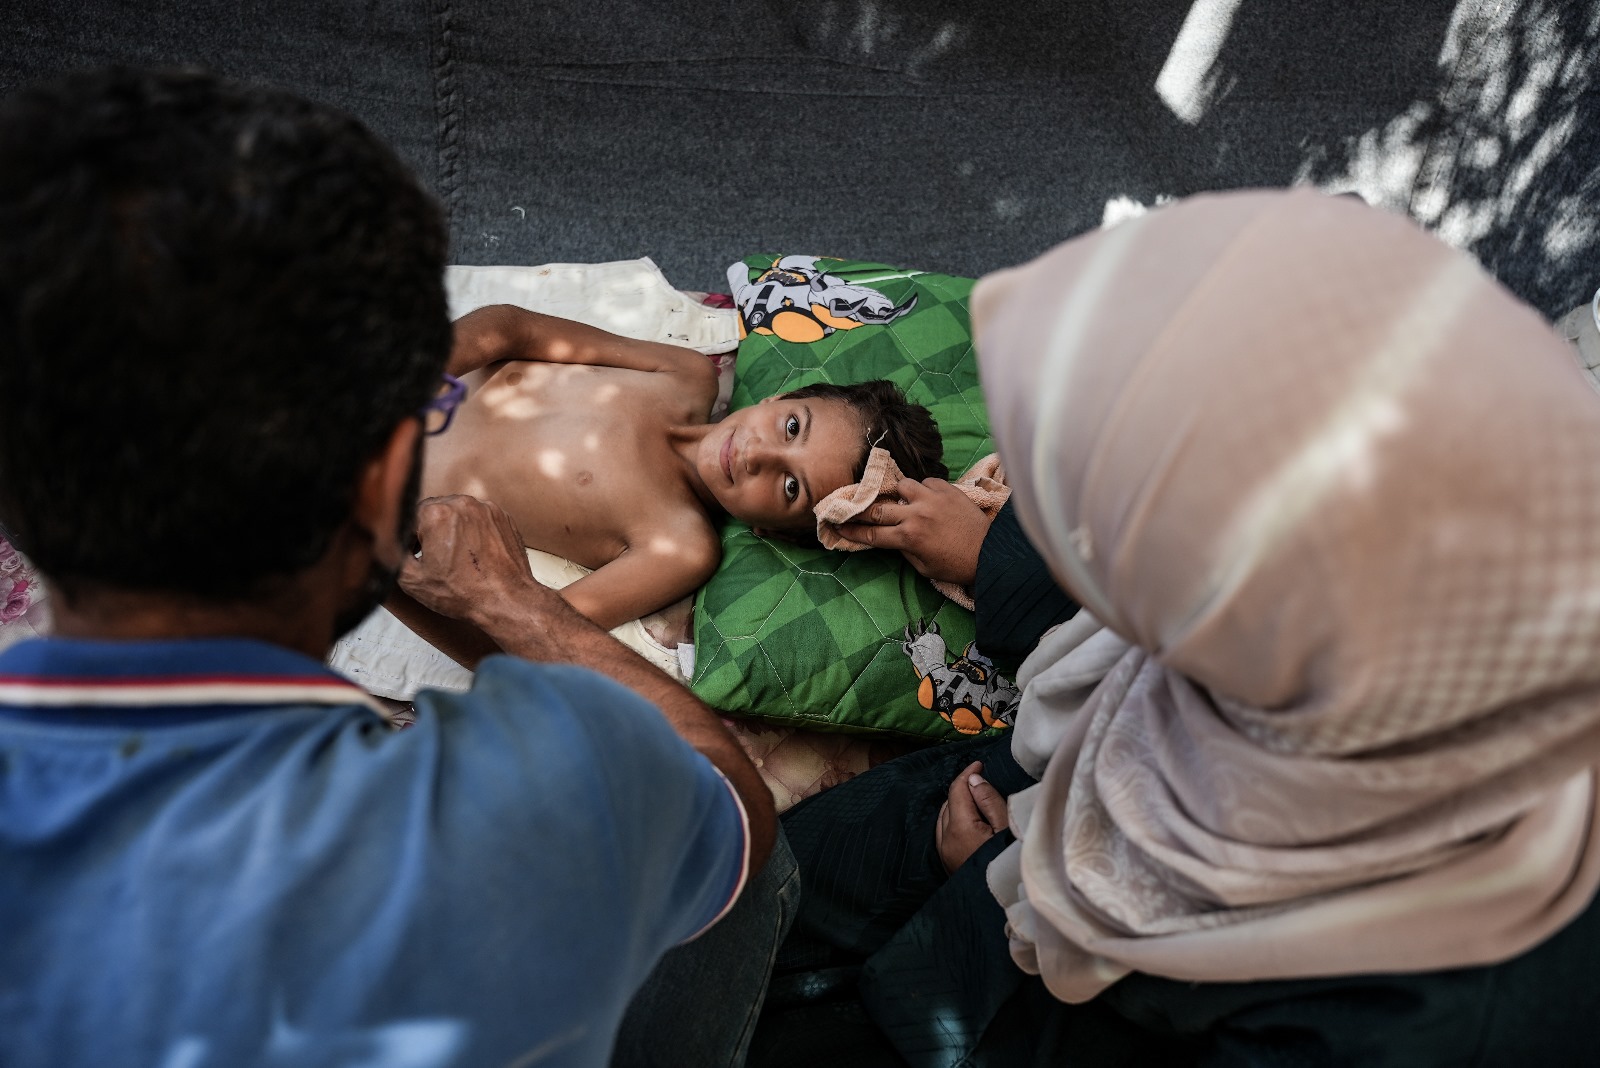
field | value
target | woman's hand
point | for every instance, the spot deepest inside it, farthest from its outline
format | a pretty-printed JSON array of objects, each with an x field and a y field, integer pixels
[
  {"x": 973, "y": 813},
  {"x": 934, "y": 526}
]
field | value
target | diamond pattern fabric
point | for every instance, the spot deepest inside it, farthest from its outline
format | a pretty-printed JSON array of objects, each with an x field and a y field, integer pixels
[{"x": 799, "y": 635}]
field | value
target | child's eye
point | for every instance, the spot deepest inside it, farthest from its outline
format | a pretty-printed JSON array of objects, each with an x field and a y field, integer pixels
[
  {"x": 791, "y": 489},
  {"x": 792, "y": 426}
]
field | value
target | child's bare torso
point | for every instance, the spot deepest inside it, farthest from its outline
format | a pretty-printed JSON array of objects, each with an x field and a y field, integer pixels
[{"x": 577, "y": 455}]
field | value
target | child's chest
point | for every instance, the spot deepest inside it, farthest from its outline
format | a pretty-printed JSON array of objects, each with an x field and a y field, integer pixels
[{"x": 581, "y": 461}]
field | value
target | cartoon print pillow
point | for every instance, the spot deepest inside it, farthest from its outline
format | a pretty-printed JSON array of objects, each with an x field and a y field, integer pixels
[{"x": 849, "y": 641}]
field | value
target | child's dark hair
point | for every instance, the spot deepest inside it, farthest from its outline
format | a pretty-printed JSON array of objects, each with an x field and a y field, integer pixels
[{"x": 906, "y": 430}]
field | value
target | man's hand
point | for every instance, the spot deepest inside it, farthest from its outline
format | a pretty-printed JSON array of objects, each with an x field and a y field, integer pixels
[
  {"x": 973, "y": 813},
  {"x": 934, "y": 526},
  {"x": 472, "y": 562},
  {"x": 473, "y": 568}
]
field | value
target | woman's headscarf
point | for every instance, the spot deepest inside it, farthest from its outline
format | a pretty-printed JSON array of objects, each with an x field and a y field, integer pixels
[{"x": 1335, "y": 496}]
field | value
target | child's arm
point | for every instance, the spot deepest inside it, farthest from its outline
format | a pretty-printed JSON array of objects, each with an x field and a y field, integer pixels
[
  {"x": 628, "y": 588},
  {"x": 506, "y": 332},
  {"x": 660, "y": 570},
  {"x": 663, "y": 570}
]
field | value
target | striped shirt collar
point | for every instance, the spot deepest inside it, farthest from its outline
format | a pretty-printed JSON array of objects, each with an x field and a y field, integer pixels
[{"x": 206, "y": 675}]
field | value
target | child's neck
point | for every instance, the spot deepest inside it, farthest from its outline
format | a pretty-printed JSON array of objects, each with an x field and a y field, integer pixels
[{"x": 684, "y": 441}]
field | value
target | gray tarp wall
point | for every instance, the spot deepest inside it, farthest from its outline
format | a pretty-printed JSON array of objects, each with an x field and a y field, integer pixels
[{"x": 929, "y": 133}]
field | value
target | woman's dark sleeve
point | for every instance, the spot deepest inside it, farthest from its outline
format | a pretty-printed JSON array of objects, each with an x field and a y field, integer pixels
[{"x": 1017, "y": 599}]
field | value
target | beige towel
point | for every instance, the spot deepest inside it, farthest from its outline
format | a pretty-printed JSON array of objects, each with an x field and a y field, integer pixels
[{"x": 984, "y": 484}]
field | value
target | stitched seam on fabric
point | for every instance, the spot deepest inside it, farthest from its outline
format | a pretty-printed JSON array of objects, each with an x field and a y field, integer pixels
[
  {"x": 788, "y": 696},
  {"x": 887, "y": 643},
  {"x": 860, "y": 606},
  {"x": 447, "y": 109},
  {"x": 702, "y": 667},
  {"x": 675, "y": 87},
  {"x": 834, "y": 575},
  {"x": 761, "y": 647}
]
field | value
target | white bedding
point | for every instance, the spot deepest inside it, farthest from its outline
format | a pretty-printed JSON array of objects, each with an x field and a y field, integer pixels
[{"x": 628, "y": 297}]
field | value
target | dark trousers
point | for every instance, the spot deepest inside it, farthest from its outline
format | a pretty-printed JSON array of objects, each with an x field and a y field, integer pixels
[
  {"x": 699, "y": 1006},
  {"x": 891, "y": 963}
]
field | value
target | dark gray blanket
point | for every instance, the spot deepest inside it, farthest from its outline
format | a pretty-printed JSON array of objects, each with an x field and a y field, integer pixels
[{"x": 957, "y": 136}]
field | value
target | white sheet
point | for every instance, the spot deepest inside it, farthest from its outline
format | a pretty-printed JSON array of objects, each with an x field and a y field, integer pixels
[{"x": 628, "y": 297}]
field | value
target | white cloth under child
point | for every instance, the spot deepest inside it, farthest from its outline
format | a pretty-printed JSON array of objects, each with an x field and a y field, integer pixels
[{"x": 628, "y": 297}]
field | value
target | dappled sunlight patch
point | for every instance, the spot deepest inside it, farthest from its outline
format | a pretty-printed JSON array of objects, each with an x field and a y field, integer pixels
[
  {"x": 1189, "y": 79},
  {"x": 1487, "y": 163},
  {"x": 664, "y": 545},
  {"x": 552, "y": 463},
  {"x": 1123, "y": 207}
]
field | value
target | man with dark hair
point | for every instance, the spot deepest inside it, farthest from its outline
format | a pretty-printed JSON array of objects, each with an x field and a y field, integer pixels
[{"x": 222, "y": 308}]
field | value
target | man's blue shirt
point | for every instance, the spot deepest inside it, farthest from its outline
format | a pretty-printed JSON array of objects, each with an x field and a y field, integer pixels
[{"x": 217, "y": 853}]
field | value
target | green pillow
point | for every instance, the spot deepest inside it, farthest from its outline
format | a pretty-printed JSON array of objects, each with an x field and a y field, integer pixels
[{"x": 849, "y": 641}]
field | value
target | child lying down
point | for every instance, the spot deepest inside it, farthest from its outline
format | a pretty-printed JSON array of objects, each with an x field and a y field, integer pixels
[{"x": 599, "y": 449}]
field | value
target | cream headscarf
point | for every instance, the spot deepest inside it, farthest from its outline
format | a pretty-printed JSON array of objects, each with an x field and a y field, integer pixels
[{"x": 1335, "y": 496}]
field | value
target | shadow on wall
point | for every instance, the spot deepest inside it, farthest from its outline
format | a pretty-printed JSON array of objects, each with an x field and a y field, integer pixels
[
  {"x": 1478, "y": 118},
  {"x": 938, "y": 133},
  {"x": 1504, "y": 160}
]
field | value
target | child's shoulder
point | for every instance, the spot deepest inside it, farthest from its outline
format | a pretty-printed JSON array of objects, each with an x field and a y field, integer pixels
[
  {"x": 687, "y": 535},
  {"x": 677, "y": 523}
]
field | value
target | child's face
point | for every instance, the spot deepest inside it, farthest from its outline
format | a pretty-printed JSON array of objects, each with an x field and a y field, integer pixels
[{"x": 770, "y": 464}]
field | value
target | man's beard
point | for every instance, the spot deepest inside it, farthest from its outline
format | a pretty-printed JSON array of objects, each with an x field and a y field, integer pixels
[{"x": 380, "y": 581}]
